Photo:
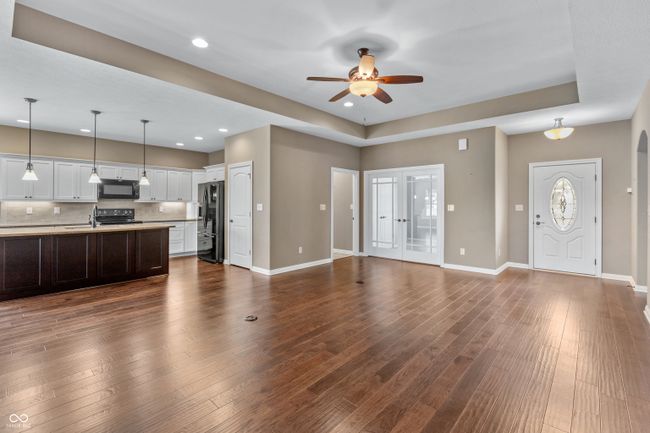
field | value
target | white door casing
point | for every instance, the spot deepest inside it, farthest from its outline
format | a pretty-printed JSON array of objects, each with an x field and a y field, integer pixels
[
  {"x": 240, "y": 197},
  {"x": 405, "y": 213},
  {"x": 355, "y": 208},
  {"x": 565, "y": 216}
]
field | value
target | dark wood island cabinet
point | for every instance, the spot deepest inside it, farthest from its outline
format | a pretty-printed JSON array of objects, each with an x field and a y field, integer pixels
[{"x": 46, "y": 260}]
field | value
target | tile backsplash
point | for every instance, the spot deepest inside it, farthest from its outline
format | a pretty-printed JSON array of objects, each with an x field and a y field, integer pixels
[{"x": 15, "y": 213}]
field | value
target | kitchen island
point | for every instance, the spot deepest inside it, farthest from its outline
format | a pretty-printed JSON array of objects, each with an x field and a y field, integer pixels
[{"x": 39, "y": 260}]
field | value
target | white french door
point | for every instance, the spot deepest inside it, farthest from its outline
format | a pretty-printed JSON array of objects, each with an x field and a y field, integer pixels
[
  {"x": 240, "y": 214},
  {"x": 565, "y": 216},
  {"x": 405, "y": 214}
]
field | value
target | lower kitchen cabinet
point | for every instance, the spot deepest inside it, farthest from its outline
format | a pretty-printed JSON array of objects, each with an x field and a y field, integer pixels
[{"x": 34, "y": 265}]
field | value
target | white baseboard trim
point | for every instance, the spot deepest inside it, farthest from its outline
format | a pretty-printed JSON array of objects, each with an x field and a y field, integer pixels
[
  {"x": 646, "y": 312},
  {"x": 641, "y": 289},
  {"x": 518, "y": 265},
  {"x": 477, "y": 270},
  {"x": 226, "y": 261},
  {"x": 339, "y": 251},
  {"x": 291, "y": 268}
]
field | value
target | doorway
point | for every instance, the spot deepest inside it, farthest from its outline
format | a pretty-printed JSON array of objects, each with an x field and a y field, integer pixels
[
  {"x": 405, "y": 214},
  {"x": 344, "y": 210},
  {"x": 565, "y": 216},
  {"x": 240, "y": 227},
  {"x": 642, "y": 211}
]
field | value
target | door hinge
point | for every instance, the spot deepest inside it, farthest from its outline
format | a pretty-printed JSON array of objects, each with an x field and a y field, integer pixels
[
  {"x": 596, "y": 177},
  {"x": 595, "y": 262},
  {"x": 595, "y": 219}
]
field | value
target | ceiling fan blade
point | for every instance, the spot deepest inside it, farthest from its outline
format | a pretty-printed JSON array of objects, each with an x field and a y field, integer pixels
[
  {"x": 382, "y": 96},
  {"x": 340, "y": 95},
  {"x": 400, "y": 79},
  {"x": 327, "y": 79}
]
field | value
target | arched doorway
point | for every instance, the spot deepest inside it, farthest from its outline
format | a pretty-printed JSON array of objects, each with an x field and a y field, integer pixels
[{"x": 642, "y": 210}]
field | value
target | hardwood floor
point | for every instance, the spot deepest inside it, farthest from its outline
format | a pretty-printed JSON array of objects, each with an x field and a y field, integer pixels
[{"x": 363, "y": 345}]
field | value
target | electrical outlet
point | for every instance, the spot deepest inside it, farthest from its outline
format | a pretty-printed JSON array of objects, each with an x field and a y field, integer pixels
[
  {"x": 260, "y": 207},
  {"x": 161, "y": 209},
  {"x": 299, "y": 250},
  {"x": 351, "y": 206},
  {"x": 519, "y": 208},
  {"x": 57, "y": 210},
  {"x": 462, "y": 251},
  {"x": 29, "y": 211},
  {"x": 450, "y": 208}
]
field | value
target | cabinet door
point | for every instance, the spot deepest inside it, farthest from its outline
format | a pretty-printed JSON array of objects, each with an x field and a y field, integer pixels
[
  {"x": 70, "y": 271},
  {"x": 197, "y": 178},
  {"x": 129, "y": 173},
  {"x": 85, "y": 191},
  {"x": 115, "y": 255},
  {"x": 14, "y": 187},
  {"x": 151, "y": 252},
  {"x": 24, "y": 266},
  {"x": 65, "y": 181},
  {"x": 185, "y": 186},
  {"x": 108, "y": 172},
  {"x": 43, "y": 189},
  {"x": 190, "y": 236},
  {"x": 173, "y": 185},
  {"x": 159, "y": 185}
]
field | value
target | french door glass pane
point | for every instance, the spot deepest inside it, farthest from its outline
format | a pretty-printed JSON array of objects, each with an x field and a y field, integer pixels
[
  {"x": 384, "y": 230},
  {"x": 420, "y": 213}
]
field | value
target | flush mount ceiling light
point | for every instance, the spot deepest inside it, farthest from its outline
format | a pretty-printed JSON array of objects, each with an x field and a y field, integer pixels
[
  {"x": 349, "y": 104},
  {"x": 198, "y": 138},
  {"x": 94, "y": 177},
  {"x": 199, "y": 43},
  {"x": 144, "y": 180},
  {"x": 30, "y": 174},
  {"x": 180, "y": 144},
  {"x": 85, "y": 130},
  {"x": 223, "y": 130},
  {"x": 559, "y": 131},
  {"x": 22, "y": 121}
]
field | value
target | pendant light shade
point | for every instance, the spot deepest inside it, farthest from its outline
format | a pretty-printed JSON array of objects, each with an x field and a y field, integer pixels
[
  {"x": 94, "y": 177},
  {"x": 144, "y": 180},
  {"x": 30, "y": 174},
  {"x": 559, "y": 131}
]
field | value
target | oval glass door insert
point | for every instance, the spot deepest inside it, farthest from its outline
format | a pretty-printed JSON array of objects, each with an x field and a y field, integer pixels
[{"x": 563, "y": 204}]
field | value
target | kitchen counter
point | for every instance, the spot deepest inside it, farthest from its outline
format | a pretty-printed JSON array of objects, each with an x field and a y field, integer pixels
[
  {"x": 32, "y": 225},
  {"x": 76, "y": 229},
  {"x": 40, "y": 260}
]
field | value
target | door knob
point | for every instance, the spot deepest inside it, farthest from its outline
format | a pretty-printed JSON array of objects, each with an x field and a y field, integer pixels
[
  {"x": 231, "y": 221},
  {"x": 539, "y": 223}
]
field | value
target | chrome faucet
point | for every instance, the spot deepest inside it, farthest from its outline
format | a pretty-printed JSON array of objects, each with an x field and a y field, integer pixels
[{"x": 92, "y": 218}]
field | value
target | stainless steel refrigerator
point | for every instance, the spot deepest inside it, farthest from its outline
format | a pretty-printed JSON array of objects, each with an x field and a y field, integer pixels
[{"x": 211, "y": 222}]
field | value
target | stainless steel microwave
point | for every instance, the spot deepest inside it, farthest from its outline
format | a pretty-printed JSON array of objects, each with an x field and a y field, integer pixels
[{"x": 119, "y": 189}]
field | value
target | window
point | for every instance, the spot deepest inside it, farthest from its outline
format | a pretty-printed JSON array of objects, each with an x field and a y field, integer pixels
[{"x": 563, "y": 204}]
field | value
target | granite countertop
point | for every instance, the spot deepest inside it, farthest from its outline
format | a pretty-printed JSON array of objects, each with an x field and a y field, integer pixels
[
  {"x": 32, "y": 225},
  {"x": 75, "y": 229}
]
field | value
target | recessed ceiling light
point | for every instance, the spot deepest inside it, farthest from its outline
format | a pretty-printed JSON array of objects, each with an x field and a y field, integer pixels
[
  {"x": 22, "y": 121},
  {"x": 84, "y": 130},
  {"x": 180, "y": 144},
  {"x": 349, "y": 104},
  {"x": 198, "y": 138},
  {"x": 223, "y": 130},
  {"x": 199, "y": 42}
]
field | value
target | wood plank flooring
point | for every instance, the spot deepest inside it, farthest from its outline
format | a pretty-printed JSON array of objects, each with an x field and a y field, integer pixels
[{"x": 362, "y": 345}]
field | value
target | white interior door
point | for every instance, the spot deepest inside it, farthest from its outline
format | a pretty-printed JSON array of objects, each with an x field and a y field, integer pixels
[
  {"x": 405, "y": 214},
  {"x": 240, "y": 220},
  {"x": 565, "y": 217}
]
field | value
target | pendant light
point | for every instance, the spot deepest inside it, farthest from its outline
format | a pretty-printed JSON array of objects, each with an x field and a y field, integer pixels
[
  {"x": 559, "y": 131},
  {"x": 30, "y": 174},
  {"x": 94, "y": 177},
  {"x": 144, "y": 180}
]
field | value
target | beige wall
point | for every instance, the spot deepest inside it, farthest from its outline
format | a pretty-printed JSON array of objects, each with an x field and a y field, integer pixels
[
  {"x": 300, "y": 181},
  {"x": 254, "y": 146},
  {"x": 469, "y": 185},
  {"x": 609, "y": 141},
  {"x": 217, "y": 157},
  {"x": 341, "y": 207},
  {"x": 640, "y": 123},
  {"x": 55, "y": 145},
  {"x": 501, "y": 196}
]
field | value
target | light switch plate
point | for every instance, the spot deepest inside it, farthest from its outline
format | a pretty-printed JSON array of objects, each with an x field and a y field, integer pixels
[
  {"x": 462, "y": 144},
  {"x": 450, "y": 208},
  {"x": 29, "y": 211},
  {"x": 629, "y": 190},
  {"x": 323, "y": 206},
  {"x": 519, "y": 207},
  {"x": 260, "y": 207},
  {"x": 57, "y": 210},
  {"x": 462, "y": 251},
  {"x": 299, "y": 250},
  {"x": 351, "y": 206}
]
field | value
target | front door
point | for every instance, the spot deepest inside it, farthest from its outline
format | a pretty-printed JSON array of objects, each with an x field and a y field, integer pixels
[
  {"x": 565, "y": 219},
  {"x": 240, "y": 200}
]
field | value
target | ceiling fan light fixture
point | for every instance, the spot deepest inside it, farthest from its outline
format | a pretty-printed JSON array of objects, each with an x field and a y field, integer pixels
[
  {"x": 367, "y": 65},
  {"x": 363, "y": 87},
  {"x": 559, "y": 131}
]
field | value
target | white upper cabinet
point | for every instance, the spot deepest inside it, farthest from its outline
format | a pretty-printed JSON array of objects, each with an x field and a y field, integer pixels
[
  {"x": 118, "y": 172},
  {"x": 179, "y": 186},
  {"x": 15, "y": 188},
  {"x": 197, "y": 178},
  {"x": 157, "y": 189},
  {"x": 71, "y": 182},
  {"x": 214, "y": 173}
]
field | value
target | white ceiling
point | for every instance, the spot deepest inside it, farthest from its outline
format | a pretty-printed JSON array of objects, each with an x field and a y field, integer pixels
[{"x": 467, "y": 52}]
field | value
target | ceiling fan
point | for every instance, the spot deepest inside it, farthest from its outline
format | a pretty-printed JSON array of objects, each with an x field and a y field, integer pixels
[{"x": 364, "y": 79}]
